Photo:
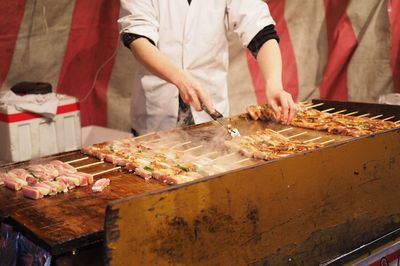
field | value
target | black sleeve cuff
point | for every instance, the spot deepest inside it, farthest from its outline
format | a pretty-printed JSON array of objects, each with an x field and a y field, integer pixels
[
  {"x": 264, "y": 35},
  {"x": 128, "y": 38}
]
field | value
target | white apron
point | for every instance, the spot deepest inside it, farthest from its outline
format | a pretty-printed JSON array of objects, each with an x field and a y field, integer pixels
[{"x": 194, "y": 37}]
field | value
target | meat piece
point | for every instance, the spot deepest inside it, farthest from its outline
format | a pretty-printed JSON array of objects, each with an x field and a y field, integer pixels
[
  {"x": 56, "y": 187},
  {"x": 186, "y": 177},
  {"x": 166, "y": 175},
  {"x": 100, "y": 184},
  {"x": 84, "y": 178},
  {"x": 2, "y": 177},
  {"x": 51, "y": 170},
  {"x": 70, "y": 182},
  {"x": 22, "y": 174},
  {"x": 39, "y": 172},
  {"x": 32, "y": 193},
  {"x": 115, "y": 159},
  {"x": 44, "y": 189},
  {"x": 14, "y": 183},
  {"x": 135, "y": 162},
  {"x": 145, "y": 172},
  {"x": 88, "y": 150},
  {"x": 254, "y": 111},
  {"x": 63, "y": 168}
]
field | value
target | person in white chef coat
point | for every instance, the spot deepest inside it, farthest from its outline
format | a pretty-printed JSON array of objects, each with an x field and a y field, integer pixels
[{"x": 183, "y": 50}]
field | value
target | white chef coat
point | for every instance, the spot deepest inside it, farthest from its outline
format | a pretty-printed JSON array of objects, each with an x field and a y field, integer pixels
[{"x": 194, "y": 37}]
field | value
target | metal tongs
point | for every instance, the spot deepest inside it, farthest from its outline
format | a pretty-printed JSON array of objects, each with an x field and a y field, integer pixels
[{"x": 219, "y": 118}]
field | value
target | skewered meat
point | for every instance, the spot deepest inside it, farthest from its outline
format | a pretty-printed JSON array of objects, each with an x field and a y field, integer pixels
[
  {"x": 39, "y": 180},
  {"x": 333, "y": 123},
  {"x": 268, "y": 145}
]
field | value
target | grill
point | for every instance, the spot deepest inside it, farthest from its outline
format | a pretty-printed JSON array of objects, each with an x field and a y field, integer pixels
[{"x": 300, "y": 207}]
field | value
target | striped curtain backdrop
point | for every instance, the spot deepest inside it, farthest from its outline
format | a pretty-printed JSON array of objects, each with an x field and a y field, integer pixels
[{"x": 332, "y": 49}]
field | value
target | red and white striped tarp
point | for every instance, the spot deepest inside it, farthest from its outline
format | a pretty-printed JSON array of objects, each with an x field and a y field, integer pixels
[{"x": 332, "y": 49}]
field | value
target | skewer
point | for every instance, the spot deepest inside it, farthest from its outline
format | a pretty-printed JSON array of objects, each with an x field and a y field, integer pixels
[
  {"x": 145, "y": 135},
  {"x": 193, "y": 148},
  {"x": 77, "y": 160},
  {"x": 150, "y": 141},
  {"x": 375, "y": 117},
  {"x": 352, "y": 113},
  {"x": 164, "y": 144},
  {"x": 223, "y": 156},
  {"x": 219, "y": 168},
  {"x": 285, "y": 129},
  {"x": 179, "y": 144},
  {"x": 328, "y": 141},
  {"x": 106, "y": 171},
  {"x": 241, "y": 161},
  {"x": 206, "y": 154},
  {"x": 388, "y": 118},
  {"x": 315, "y": 105},
  {"x": 327, "y": 110},
  {"x": 277, "y": 133},
  {"x": 297, "y": 135},
  {"x": 88, "y": 165},
  {"x": 311, "y": 140},
  {"x": 339, "y": 112},
  {"x": 305, "y": 104},
  {"x": 364, "y": 115},
  {"x": 398, "y": 121}
]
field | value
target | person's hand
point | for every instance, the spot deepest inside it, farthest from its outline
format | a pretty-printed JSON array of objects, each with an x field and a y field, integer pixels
[
  {"x": 192, "y": 93},
  {"x": 282, "y": 104}
]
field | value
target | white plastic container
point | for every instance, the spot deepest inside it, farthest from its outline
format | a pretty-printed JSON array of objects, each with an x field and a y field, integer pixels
[{"x": 25, "y": 135}]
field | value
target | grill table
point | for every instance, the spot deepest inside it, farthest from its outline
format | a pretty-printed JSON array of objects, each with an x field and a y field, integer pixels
[{"x": 307, "y": 208}]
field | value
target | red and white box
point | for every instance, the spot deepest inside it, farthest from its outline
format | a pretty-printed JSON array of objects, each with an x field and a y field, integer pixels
[{"x": 26, "y": 135}]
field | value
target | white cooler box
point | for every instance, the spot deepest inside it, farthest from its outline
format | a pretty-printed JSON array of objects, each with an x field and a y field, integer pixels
[{"x": 25, "y": 135}]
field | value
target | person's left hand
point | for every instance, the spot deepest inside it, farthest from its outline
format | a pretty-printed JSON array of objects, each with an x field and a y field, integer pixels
[{"x": 281, "y": 103}]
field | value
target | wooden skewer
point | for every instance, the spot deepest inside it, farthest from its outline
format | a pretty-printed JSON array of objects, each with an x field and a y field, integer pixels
[
  {"x": 163, "y": 144},
  {"x": 311, "y": 140},
  {"x": 375, "y": 117},
  {"x": 364, "y": 115},
  {"x": 285, "y": 129},
  {"x": 180, "y": 144},
  {"x": 197, "y": 164},
  {"x": 193, "y": 148},
  {"x": 315, "y": 105},
  {"x": 106, "y": 171},
  {"x": 339, "y": 112},
  {"x": 219, "y": 168},
  {"x": 276, "y": 133},
  {"x": 88, "y": 165},
  {"x": 328, "y": 141},
  {"x": 77, "y": 160},
  {"x": 150, "y": 141},
  {"x": 327, "y": 110},
  {"x": 145, "y": 135},
  {"x": 241, "y": 161},
  {"x": 388, "y": 118},
  {"x": 297, "y": 135},
  {"x": 206, "y": 154},
  {"x": 398, "y": 121},
  {"x": 223, "y": 156},
  {"x": 352, "y": 113},
  {"x": 305, "y": 104}
]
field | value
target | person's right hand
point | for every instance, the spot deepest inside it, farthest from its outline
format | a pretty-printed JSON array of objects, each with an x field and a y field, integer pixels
[{"x": 192, "y": 93}]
